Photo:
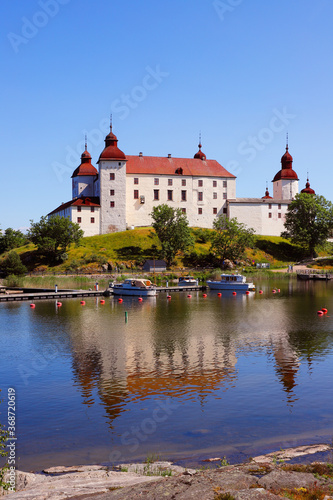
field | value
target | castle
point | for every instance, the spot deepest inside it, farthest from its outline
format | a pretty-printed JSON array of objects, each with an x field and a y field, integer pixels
[{"x": 121, "y": 194}]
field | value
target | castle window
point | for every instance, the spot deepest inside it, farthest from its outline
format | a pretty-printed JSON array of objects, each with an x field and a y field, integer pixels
[
  {"x": 111, "y": 192},
  {"x": 170, "y": 195},
  {"x": 183, "y": 182},
  {"x": 225, "y": 196},
  {"x": 112, "y": 177},
  {"x": 214, "y": 196},
  {"x": 119, "y": 163},
  {"x": 214, "y": 210},
  {"x": 79, "y": 209},
  {"x": 200, "y": 195},
  {"x": 199, "y": 210},
  {"x": 269, "y": 206},
  {"x": 92, "y": 209},
  {"x": 279, "y": 216},
  {"x": 136, "y": 180},
  {"x": 184, "y": 197},
  {"x": 184, "y": 210},
  {"x": 224, "y": 210},
  {"x": 270, "y": 215},
  {"x": 92, "y": 220},
  {"x": 279, "y": 206},
  {"x": 156, "y": 194},
  {"x": 224, "y": 184},
  {"x": 136, "y": 194},
  {"x": 200, "y": 182},
  {"x": 79, "y": 220},
  {"x": 112, "y": 204},
  {"x": 214, "y": 184},
  {"x": 169, "y": 182},
  {"x": 156, "y": 181}
]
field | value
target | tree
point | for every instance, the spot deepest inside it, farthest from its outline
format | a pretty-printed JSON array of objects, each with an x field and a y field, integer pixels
[
  {"x": 11, "y": 239},
  {"x": 52, "y": 236},
  {"x": 230, "y": 238},
  {"x": 12, "y": 265},
  {"x": 171, "y": 226},
  {"x": 309, "y": 220}
]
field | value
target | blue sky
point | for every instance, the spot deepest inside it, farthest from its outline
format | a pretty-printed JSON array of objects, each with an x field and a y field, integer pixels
[{"x": 243, "y": 72}]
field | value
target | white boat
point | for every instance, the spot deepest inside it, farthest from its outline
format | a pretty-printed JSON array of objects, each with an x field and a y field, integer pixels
[
  {"x": 187, "y": 281},
  {"x": 231, "y": 282},
  {"x": 138, "y": 287}
]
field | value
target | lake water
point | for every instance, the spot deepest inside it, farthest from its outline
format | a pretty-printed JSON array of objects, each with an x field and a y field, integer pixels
[{"x": 186, "y": 379}]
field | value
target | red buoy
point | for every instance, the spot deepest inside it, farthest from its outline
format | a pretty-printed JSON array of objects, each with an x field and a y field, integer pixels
[
  {"x": 168, "y": 296},
  {"x": 189, "y": 296},
  {"x": 204, "y": 295},
  {"x": 234, "y": 293},
  {"x": 140, "y": 299},
  {"x": 82, "y": 303},
  {"x": 219, "y": 294},
  {"x": 260, "y": 291},
  {"x": 59, "y": 304},
  {"x": 247, "y": 292},
  {"x": 102, "y": 301},
  {"x": 274, "y": 291},
  {"x": 120, "y": 299},
  {"x": 278, "y": 290},
  {"x": 320, "y": 313},
  {"x": 324, "y": 310},
  {"x": 32, "y": 306}
]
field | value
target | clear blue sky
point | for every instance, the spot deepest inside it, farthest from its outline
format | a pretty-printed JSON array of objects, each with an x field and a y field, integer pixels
[{"x": 167, "y": 70}]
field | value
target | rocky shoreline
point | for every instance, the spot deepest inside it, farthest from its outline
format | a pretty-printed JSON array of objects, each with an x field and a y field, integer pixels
[{"x": 263, "y": 477}]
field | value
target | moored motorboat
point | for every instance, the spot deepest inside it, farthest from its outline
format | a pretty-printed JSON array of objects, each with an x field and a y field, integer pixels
[
  {"x": 232, "y": 282},
  {"x": 187, "y": 281},
  {"x": 138, "y": 287}
]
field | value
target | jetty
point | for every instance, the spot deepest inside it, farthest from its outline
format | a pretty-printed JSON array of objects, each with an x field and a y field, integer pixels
[{"x": 307, "y": 275}]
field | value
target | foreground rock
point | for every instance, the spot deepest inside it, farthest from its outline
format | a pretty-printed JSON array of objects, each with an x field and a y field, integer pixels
[{"x": 264, "y": 479}]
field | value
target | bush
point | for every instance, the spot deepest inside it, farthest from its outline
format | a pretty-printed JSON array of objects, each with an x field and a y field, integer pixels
[
  {"x": 13, "y": 281},
  {"x": 12, "y": 265}
]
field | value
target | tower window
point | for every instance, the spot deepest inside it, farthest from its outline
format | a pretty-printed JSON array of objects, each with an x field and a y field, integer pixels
[
  {"x": 200, "y": 195},
  {"x": 136, "y": 194},
  {"x": 279, "y": 216},
  {"x": 156, "y": 194},
  {"x": 112, "y": 204},
  {"x": 169, "y": 182},
  {"x": 92, "y": 220},
  {"x": 170, "y": 195},
  {"x": 183, "y": 195},
  {"x": 214, "y": 184},
  {"x": 111, "y": 192},
  {"x": 214, "y": 210},
  {"x": 199, "y": 210},
  {"x": 200, "y": 182},
  {"x": 184, "y": 210},
  {"x": 225, "y": 196},
  {"x": 279, "y": 206},
  {"x": 112, "y": 177},
  {"x": 270, "y": 215},
  {"x": 79, "y": 209},
  {"x": 79, "y": 220},
  {"x": 214, "y": 196},
  {"x": 224, "y": 184},
  {"x": 136, "y": 180},
  {"x": 269, "y": 206},
  {"x": 92, "y": 209},
  {"x": 156, "y": 181},
  {"x": 183, "y": 182}
]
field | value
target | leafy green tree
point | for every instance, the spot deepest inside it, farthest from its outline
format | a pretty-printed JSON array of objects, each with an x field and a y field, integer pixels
[
  {"x": 12, "y": 265},
  {"x": 230, "y": 238},
  {"x": 11, "y": 239},
  {"x": 309, "y": 221},
  {"x": 52, "y": 236},
  {"x": 171, "y": 226}
]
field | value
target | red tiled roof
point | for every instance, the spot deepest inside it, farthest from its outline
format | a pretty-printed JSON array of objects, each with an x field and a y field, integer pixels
[
  {"x": 85, "y": 201},
  {"x": 307, "y": 189},
  {"x": 85, "y": 169},
  {"x": 157, "y": 165},
  {"x": 287, "y": 174}
]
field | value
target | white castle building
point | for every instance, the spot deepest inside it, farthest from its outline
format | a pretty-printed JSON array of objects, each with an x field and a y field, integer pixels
[{"x": 123, "y": 191}]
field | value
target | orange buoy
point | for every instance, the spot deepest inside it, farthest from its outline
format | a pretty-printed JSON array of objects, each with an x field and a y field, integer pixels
[
  {"x": 32, "y": 306},
  {"x": 59, "y": 304},
  {"x": 204, "y": 295},
  {"x": 219, "y": 294},
  {"x": 82, "y": 303},
  {"x": 189, "y": 296},
  {"x": 247, "y": 292},
  {"x": 234, "y": 293},
  {"x": 140, "y": 299},
  {"x": 102, "y": 301},
  {"x": 260, "y": 291},
  {"x": 324, "y": 310},
  {"x": 168, "y": 296},
  {"x": 320, "y": 313}
]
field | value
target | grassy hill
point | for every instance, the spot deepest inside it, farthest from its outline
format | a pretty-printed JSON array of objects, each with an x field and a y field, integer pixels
[{"x": 129, "y": 249}]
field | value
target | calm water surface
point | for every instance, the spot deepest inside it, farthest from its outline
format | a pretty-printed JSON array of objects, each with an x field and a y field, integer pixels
[{"x": 186, "y": 379}]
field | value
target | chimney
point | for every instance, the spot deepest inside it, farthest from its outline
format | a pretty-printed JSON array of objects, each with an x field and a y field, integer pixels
[
  {"x": 140, "y": 154},
  {"x": 169, "y": 155}
]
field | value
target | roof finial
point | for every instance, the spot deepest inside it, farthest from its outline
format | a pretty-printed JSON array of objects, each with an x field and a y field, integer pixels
[
  {"x": 85, "y": 142},
  {"x": 200, "y": 145},
  {"x": 110, "y": 122},
  {"x": 307, "y": 176},
  {"x": 287, "y": 146}
]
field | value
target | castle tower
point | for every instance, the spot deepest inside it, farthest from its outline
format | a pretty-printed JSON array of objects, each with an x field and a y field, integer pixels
[
  {"x": 112, "y": 186},
  {"x": 285, "y": 182},
  {"x": 84, "y": 176},
  {"x": 307, "y": 189}
]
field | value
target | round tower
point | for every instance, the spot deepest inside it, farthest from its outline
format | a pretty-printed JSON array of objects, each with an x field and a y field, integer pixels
[
  {"x": 285, "y": 182},
  {"x": 84, "y": 176}
]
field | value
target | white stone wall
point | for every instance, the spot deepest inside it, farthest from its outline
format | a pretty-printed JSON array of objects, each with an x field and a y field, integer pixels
[
  {"x": 285, "y": 189},
  {"x": 137, "y": 213},
  {"x": 83, "y": 185},
  {"x": 257, "y": 215},
  {"x": 90, "y": 228},
  {"x": 112, "y": 218}
]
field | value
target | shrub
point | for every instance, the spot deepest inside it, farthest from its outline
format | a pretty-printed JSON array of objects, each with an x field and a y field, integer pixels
[{"x": 12, "y": 265}]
